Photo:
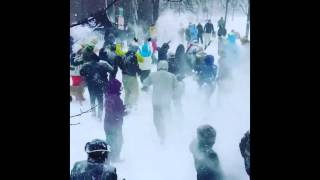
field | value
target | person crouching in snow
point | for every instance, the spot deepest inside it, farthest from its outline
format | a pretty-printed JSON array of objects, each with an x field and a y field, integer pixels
[
  {"x": 145, "y": 66},
  {"x": 115, "y": 111},
  {"x": 164, "y": 84}
]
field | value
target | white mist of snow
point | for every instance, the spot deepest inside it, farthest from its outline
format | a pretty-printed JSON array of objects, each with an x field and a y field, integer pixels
[{"x": 144, "y": 157}]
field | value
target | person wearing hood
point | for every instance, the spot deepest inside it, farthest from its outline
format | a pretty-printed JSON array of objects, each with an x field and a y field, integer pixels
[
  {"x": 130, "y": 69},
  {"x": 96, "y": 77},
  {"x": 200, "y": 32},
  {"x": 108, "y": 55},
  {"x": 114, "y": 113},
  {"x": 163, "y": 51},
  {"x": 181, "y": 60},
  {"x": 206, "y": 160},
  {"x": 206, "y": 74},
  {"x": 95, "y": 167},
  {"x": 164, "y": 84},
  {"x": 188, "y": 33},
  {"x": 146, "y": 52}
]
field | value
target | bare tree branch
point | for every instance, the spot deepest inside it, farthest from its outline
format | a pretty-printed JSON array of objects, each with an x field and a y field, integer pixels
[{"x": 83, "y": 112}]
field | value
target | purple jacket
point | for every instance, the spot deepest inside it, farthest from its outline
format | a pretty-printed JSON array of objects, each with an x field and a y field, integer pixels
[{"x": 115, "y": 109}]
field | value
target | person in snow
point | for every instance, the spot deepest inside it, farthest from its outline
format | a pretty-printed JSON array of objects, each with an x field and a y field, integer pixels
[
  {"x": 181, "y": 60},
  {"x": 221, "y": 23},
  {"x": 78, "y": 84},
  {"x": 187, "y": 33},
  {"x": 94, "y": 167},
  {"x": 109, "y": 55},
  {"x": 172, "y": 63},
  {"x": 109, "y": 40},
  {"x": 245, "y": 150},
  {"x": 200, "y": 33},
  {"x": 206, "y": 72},
  {"x": 146, "y": 52},
  {"x": 208, "y": 32},
  {"x": 96, "y": 77},
  {"x": 222, "y": 31},
  {"x": 206, "y": 160},
  {"x": 114, "y": 113},
  {"x": 194, "y": 54},
  {"x": 130, "y": 70},
  {"x": 193, "y": 32},
  {"x": 164, "y": 84},
  {"x": 163, "y": 51},
  {"x": 178, "y": 93}
]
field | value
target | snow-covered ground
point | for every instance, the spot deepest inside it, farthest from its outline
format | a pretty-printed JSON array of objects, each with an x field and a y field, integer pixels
[{"x": 144, "y": 158}]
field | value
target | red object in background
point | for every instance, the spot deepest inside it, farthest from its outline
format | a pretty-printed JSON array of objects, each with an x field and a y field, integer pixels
[
  {"x": 154, "y": 45},
  {"x": 76, "y": 80}
]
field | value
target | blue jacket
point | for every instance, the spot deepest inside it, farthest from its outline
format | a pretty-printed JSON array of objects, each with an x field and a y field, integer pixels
[{"x": 193, "y": 32}]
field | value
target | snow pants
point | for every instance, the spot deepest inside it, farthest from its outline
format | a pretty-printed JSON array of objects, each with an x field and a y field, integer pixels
[
  {"x": 131, "y": 90},
  {"x": 96, "y": 94},
  {"x": 200, "y": 38},
  {"x": 206, "y": 38},
  {"x": 144, "y": 74},
  {"x": 114, "y": 138},
  {"x": 161, "y": 114}
]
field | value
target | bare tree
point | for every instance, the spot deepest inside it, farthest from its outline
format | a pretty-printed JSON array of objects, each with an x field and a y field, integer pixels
[{"x": 245, "y": 7}]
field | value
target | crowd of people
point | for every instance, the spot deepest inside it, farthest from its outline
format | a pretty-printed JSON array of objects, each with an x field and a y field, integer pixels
[{"x": 97, "y": 70}]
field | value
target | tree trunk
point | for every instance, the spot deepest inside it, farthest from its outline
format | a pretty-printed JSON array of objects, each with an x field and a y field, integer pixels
[
  {"x": 248, "y": 21},
  {"x": 225, "y": 17}
]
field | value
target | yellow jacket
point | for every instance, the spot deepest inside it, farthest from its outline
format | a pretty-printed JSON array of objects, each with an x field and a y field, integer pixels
[{"x": 119, "y": 50}]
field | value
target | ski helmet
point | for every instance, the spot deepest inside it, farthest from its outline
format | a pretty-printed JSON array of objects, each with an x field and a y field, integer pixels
[{"x": 97, "y": 145}]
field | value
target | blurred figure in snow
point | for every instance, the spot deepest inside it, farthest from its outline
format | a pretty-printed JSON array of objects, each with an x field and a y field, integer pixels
[
  {"x": 115, "y": 111},
  {"x": 164, "y": 84},
  {"x": 245, "y": 150},
  {"x": 206, "y": 160}
]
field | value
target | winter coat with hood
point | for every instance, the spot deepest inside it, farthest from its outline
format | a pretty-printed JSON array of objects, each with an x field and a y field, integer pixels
[
  {"x": 163, "y": 51},
  {"x": 208, "y": 28},
  {"x": 115, "y": 109},
  {"x": 129, "y": 64},
  {"x": 200, "y": 29},
  {"x": 96, "y": 74},
  {"x": 146, "y": 52},
  {"x": 88, "y": 170},
  {"x": 207, "y": 71},
  {"x": 164, "y": 84}
]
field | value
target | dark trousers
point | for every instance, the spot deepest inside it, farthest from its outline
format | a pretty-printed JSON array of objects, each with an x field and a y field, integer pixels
[
  {"x": 96, "y": 94},
  {"x": 200, "y": 37},
  {"x": 144, "y": 74},
  {"x": 115, "y": 139}
]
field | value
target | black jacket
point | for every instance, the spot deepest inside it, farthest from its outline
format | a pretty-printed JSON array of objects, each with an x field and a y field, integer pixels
[
  {"x": 162, "y": 52},
  {"x": 96, "y": 74},
  {"x": 208, "y": 28},
  {"x": 200, "y": 29},
  {"x": 111, "y": 58},
  {"x": 129, "y": 64},
  {"x": 84, "y": 170},
  {"x": 206, "y": 162}
]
